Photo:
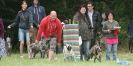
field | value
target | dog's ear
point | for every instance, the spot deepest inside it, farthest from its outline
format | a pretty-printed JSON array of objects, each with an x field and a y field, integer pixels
[{"x": 69, "y": 48}]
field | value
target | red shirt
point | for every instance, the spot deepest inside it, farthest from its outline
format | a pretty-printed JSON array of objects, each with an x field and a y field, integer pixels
[{"x": 50, "y": 28}]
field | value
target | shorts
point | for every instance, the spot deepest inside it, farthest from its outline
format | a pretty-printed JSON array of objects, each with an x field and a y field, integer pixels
[
  {"x": 22, "y": 33},
  {"x": 51, "y": 43}
]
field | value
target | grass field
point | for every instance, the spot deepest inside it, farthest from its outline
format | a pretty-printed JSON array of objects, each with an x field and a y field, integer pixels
[{"x": 15, "y": 60}]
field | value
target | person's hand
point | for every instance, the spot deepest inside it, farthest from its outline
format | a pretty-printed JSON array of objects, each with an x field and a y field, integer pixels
[
  {"x": 117, "y": 27},
  {"x": 38, "y": 26},
  {"x": 63, "y": 25},
  {"x": 98, "y": 33},
  {"x": 37, "y": 43},
  {"x": 9, "y": 26},
  {"x": 59, "y": 45},
  {"x": 109, "y": 31},
  {"x": 31, "y": 30},
  {"x": 31, "y": 26}
]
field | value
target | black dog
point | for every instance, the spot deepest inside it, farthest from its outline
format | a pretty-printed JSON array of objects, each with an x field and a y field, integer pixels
[
  {"x": 8, "y": 46},
  {"x": 42, "y": 49},
  {"x": 95, "y": 52}
]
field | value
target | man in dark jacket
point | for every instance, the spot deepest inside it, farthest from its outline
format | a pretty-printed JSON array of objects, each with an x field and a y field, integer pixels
[
  {"x": 38, "y": 12},
  {"x": 94, "y": 19}
]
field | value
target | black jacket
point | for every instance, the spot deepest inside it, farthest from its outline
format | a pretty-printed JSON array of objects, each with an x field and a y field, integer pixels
[{"x": 97, "y": 26}]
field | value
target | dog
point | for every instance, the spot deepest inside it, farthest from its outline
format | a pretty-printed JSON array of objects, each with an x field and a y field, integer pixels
[
  {"x": 8, "y": 46},
  {"x": 95, "y": 52},
  {"x": 68, "y": 53},
  {"x": 67, "y": 48},
  {"x": 42, "y": 49}
]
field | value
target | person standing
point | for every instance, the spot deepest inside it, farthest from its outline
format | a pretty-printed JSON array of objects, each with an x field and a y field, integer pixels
[
  {"x": 24, "y": 21},
  {"x": 51, "y": 29},
  {"x": 130, "y": 34},
  {"x": 111, "y": 30},
  {"x": 94, "y": 19},
  {"x": 2, "y": 41},
  {"x": 84, "y": 32},
  {"x": 38, "y": 12}
]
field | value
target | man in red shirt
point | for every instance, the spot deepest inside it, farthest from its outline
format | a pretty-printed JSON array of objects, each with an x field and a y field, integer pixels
[{"x": 51, "y": 29}]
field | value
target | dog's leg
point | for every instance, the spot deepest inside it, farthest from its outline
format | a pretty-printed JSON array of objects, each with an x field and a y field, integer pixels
[
  {"x": 88, "y": 57},
  {"x": 95, "y": 57},
  {"x": 34, "y": 54},
  {"x": 100, "y": 59},
  {"x": 9, "y": 51},
  {"x": 43, "y": 54}
]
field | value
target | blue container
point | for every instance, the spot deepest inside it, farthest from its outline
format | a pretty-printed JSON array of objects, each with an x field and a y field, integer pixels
[{"x": 123, "y": 62}]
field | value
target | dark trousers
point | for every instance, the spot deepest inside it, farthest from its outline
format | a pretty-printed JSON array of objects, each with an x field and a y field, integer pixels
[{"x": 130, "y": 42}]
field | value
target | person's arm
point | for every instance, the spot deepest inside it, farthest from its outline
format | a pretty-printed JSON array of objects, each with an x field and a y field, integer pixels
[
  {"x": 43, "y": 12},
  {"x": 99, "y": 20},
  {"x": 75, "y": 19},
  {"x": 59, "y": 33},
  {"x": 117, "y": 26},
  {"x": 41, "y": 29},
  {"x": 30, "y": 9},
  {"x": 16, "y": 21},
  {"x": 31, "y": 19},
  {"x": 105, "y": 29}
]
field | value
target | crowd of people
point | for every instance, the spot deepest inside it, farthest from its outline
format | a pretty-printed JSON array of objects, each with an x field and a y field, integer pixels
[{"x": 33, "y": 23}]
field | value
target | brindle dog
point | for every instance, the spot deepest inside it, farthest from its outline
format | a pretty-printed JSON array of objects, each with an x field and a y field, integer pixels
[
  {"x": 96, "y": 52},
  {"x": 42, "y": 49}
]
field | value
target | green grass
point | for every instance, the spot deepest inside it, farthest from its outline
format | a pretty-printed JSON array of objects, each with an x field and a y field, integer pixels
[{"x": 15, "y": 60}]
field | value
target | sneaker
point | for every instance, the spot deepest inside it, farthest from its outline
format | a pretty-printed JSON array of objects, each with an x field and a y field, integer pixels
[{"x": 21, "y": 56}]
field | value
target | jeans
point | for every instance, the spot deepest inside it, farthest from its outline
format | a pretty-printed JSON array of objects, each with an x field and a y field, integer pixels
[
  {"x": 111, "y": 49},
  {"x": 2, "y": 48},
  {"x": 84, "y": 49}
]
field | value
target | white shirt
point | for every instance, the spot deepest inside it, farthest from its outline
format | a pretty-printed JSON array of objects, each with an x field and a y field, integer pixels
[{"x": 90, "y": 14}]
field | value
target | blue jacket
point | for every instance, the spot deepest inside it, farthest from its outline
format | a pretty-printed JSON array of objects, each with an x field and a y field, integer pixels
[
  {"x": 38, "y": 13},
  {"x": 130, "y": 27},
  {"x": 23, "y": 20}
]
